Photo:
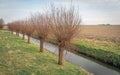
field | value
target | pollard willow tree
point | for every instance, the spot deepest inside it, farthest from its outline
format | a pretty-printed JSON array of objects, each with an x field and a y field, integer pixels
[
  {"x": 14, "y": 26},
  {"x": 11, "y": 27},
  {"x": 66, "y": 24},
  {"x": 23, "y": 28},
  {"x": 17, "y": 27},
  {"x": 41, "y": 22},
  {"x": 29, "y": 28}
]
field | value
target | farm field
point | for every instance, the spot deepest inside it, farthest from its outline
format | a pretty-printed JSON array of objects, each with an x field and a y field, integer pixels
[
  {"x": 100, "y": 32},
  {"x": 19, "y": 58}
]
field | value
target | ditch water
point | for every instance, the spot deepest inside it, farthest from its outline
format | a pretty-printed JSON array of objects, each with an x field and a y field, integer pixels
[{"x": 81, "y": 61}]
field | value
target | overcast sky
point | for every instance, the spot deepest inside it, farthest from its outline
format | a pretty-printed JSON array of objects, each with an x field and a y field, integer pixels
[{"x": 91, "y": 11}]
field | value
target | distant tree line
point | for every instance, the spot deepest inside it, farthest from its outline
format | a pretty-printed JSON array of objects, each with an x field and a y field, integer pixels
[{"x": 105, "y": 24}]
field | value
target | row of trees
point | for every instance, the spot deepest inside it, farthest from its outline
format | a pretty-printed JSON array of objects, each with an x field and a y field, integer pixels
[{"x": 61, "y": 23}]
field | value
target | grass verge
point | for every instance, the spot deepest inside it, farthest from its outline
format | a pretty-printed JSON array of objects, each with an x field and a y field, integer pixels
[{"x": 19, "y": 58}]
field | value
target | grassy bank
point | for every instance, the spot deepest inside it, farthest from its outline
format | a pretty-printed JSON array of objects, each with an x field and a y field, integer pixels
[
  {"x": 105, "y": 51},
  {"x": 19, "y": 58}
]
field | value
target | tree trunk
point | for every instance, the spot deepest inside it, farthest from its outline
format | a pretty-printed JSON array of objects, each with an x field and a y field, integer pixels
[
  {"x": 60, "y": 60},
  {"x": 18, "y": 33},
  {"x": 23, "y": 36},
  {"x": 12, "y": 32},
  {"x": 28, "y": 39},
  {"x": 41, "y": 45}
]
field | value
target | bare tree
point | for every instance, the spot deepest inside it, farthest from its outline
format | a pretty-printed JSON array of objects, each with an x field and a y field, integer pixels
[
  {"x": 1, "y": 23},
  {"x": 14, "y": 26},
  {"x": 17, "y": 27},
  {"x": 23, "y": 28},
  {"x": 41, "y": 23},
  {"x": 29, "y": 28},
  {"x": 65, "y": 26},
  {"x": 11, "y": 27}
]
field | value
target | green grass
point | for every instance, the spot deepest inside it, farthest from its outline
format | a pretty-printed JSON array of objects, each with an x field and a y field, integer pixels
[
  {"x": 103, "y": 50},
  {"x": 103, "y": 45},
  {"x": 19, "y": 58}
]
